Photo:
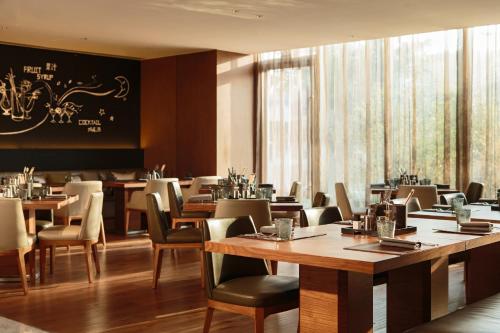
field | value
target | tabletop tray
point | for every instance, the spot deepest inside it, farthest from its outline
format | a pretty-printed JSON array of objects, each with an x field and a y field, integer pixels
[{"x": 403, "y": 231}]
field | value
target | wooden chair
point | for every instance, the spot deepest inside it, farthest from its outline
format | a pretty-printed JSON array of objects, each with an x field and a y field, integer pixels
[
  {"x": 426, "y": 194},
  {"x": 319, "y": 216},
  {"x": 445, "y": 199},
  {"x": 165, "y": 238},
  {"x": 177, "y": 213},
  {"x": 137, "y": 202},
  {"x": 243, "y": 285},
  {"x": 14, "y": 239},
  {"x": 321, "y": 199},
  {"x": 474, "y": 192},
  {"x": 344, "y": 204},
  {"x": 86, "y": 235}
]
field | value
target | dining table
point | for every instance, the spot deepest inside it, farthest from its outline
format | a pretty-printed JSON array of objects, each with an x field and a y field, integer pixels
[
  {"x": 381, "y": 191},
  {"x": 336, "y": 273},
  {"x": 41, "y": 204},
  {"x": 480, "y": 212},
  {"x": 210, "y": 206}
]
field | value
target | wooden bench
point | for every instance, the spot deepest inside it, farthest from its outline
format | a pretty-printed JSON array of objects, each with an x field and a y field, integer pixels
[{"x": 482, "y": 316}]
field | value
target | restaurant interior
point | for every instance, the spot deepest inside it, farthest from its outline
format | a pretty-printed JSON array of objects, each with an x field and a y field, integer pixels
[{"x": 249, "y": 166}]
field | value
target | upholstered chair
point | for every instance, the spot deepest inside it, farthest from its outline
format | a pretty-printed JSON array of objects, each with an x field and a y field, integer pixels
[
  {"x": 412, "y": 206},
  {"x": 295, "y": 191},
  {"x": 319, "y": 216},
  {"x": 344, "y": 204},
  {"x": 137, "y": 202},
  {"x": 321, "y": 199},
  {"x": 445, "y": 199},
  {"x": 14, "y": 239},
  {"x": 164, "y": 237},
  {"x": 177, "y": 213},
  {"x": 258, "y": 209},
  {"x": 240, "y": 284},
  {"x": 198, "y": 182},
  {"x": 86, "y": 235},
  {"x": 474, "y": 192},
  {"x": 426, "y": 194},
  {"x": 44, "y": 218}
]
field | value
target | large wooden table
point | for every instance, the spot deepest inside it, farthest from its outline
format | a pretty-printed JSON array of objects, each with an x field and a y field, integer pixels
[
  {"x": 336, "y": 284},
  {"x": 33, "y": 205},
  {"x": 210, "y": 206},
  {"x": 382, "y": 190},
  {"x": 479, "y": 213},
  {"x": 122, "y": 191}
]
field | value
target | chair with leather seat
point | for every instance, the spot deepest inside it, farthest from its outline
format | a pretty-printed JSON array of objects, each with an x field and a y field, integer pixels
[
  {"x": 86, "y": 235},
  {"x": 321, "y": 199},
  {"x": 258, "y": 209},
  {"x": 344, "y": 204},
  {"x": 445, "y": 199},
  {"x": 15, "y": 240},
  {"x": 177, "y": 213},
  {"x": 137, "y": 202},
  {"x": 474, "y": 192},
  {"x": 319, "y": 216},
  {"x": 243, "y": 285},
  {"x": 426, "y": 194},
  {"x": 164, "y": 237}
]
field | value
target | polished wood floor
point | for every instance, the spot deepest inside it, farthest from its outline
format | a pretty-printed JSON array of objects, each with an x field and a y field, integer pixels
[{"x": 121, "y": 299}]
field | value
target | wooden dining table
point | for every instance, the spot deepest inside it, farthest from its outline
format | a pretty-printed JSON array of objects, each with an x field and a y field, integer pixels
[
  {"x": 336, "y": 274},
  {"x": 381, "y": 191},
  {"x": 44, "y": 203},
  {"x": 479, "y": 213},
  {"x": 212, "y": 205}
]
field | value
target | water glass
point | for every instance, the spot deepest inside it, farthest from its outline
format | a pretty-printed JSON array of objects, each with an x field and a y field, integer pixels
[
  {"x": 385, "y": 227},
  {"x": 457, "y": 204},
  {"x": 463, "y": 216},
  {"x": 284, "y": 228}
]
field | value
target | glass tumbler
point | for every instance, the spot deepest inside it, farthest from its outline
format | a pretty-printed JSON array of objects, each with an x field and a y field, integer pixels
[
  {"x": 385, "y": 227},
  {"x": 457, "y": 204},
  {"x": 463, "y": 216},
  {"x": 284, "y": 228}
]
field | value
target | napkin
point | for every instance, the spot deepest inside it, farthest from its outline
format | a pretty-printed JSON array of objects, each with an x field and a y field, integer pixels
[
  {"x": 476, "y": 226},
  {"x": 268, "y": 229},
  {"x": 384, "y": 241}
]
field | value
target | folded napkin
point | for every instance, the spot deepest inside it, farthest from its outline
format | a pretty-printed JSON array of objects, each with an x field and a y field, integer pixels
[
  {"x": 476, "y": 226},
  {"x": 268, "y": 229},
  {"x": 384, "y": 241}
]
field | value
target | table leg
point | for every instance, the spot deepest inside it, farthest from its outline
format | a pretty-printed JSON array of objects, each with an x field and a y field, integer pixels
[
  {"x": 482, "y": 272},
  {"x": 121, "y": 199},
  {"x": 31, "y": 222},
  {"x": 416, "y": 294},
  {"x": 335, "y": 301}
]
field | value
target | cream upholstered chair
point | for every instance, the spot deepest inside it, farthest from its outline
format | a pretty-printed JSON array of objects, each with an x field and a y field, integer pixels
[
  {"x": 295, "y": 191},
  {"x": 194, "y": 189},
  {"x": 137, "y": 200},
  {"x": 76, "y": 210},
  {"x": 343, "y": 202},
  {"x": 321, "y": 199},
  {"x": 258, "y": 209},
  {"x": 427, "y": 194},
  {"x": 86, "y": 234},
  {"x": 14, "y": 239}
]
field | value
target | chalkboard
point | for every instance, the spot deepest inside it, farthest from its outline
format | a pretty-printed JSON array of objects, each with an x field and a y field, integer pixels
[{"x": 54, "y": 99}]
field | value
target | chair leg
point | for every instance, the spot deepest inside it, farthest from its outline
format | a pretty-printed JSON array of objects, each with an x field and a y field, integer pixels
[
  {"x": 208, "y": 319},
  {"x": 43, "y": 261},
  {"x": 88, "y": 260},
  {"x": 258, "y": 323},
  {"x": 202, "y": 265},
  {"x": 66, "y": 222},
  {"x": 174, "y": 223},
  {"x": 95, "y": 256},
  {"x": 157, "y": 261},
  {"x": 127, "y": 221},
  {"x": 102, "y": 234},
  {"x": 52, "y": 258},
  {"x": 32, "y": 255},
  {"x": 22, "y": 270},
  {"x": 274, "y": 267}
]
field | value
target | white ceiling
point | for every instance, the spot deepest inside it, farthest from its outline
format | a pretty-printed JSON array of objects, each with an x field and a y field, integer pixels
[{"x": 155, "y": 28}]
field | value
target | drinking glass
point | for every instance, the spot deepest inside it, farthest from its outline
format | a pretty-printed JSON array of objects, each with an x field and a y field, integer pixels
[
  {"x": 463, "y": 216},
  {"x": 385, "y": 227},
  {"x": 457, "y": 204},
  {"x": 284, "y": 228}
]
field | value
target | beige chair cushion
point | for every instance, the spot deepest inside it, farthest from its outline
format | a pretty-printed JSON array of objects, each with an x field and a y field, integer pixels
[
  {"x": 258, "y": 209},
  {"x": 60, "y": 232},
  {"x": 196, "y": 185},
  {"x": 31, "y": 239},
  {"x": 426, "y": 194},
  {"x": 138, "y": 198},
  {"x": 83, "y": 190},
  {"x": 13, "y": 233},
  {"x": 124, "y": 175}
]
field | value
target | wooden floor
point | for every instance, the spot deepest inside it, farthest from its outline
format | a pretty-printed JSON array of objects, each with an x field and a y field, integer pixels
[{"x": 121, "y": 299}]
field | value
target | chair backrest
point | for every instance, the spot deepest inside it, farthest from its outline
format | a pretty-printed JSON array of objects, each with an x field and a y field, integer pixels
[
  {"x": 426, "y": 194},
  {"x": 83, "y": 189},
  {"x": 296, "y": 191},
  {"x": 220, "y": 268},
  {"x": 474, "y": 192},
  {"x": 92, "y": 217},
  {"x": 321, "y": 199},
  {"x": 319, "y": 216},
  {"x": 175, "y": 199},
  {"x": 412, "y": 206},
  {"x": 197, "y": 183},
  {"x": 157, "y": 218},
  {"x": 13, "y": 234},
  {"x": 445, "y": 199},
  {"x": 258, "y": 209},
  {"x": 343, "y": 201},
  {"x": 160, "y": 186}
]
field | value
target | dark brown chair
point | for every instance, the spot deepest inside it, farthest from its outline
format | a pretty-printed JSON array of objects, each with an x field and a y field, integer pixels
[
  {"x": 177, "y": 214},
  {"x": 321, "y": 199},
  {"x": 445, "y": 199},
  {"x": 240, "y": 284},
  {"x": 474, "y": 192},
  {"x": 319, "y": 216},
  {"x": 165, "y": 238}
]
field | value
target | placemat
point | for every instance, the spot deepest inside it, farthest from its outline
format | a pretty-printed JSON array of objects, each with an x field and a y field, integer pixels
[
  {"x": 375, "y": 247},
  {"x": 474, "y": 233}
]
